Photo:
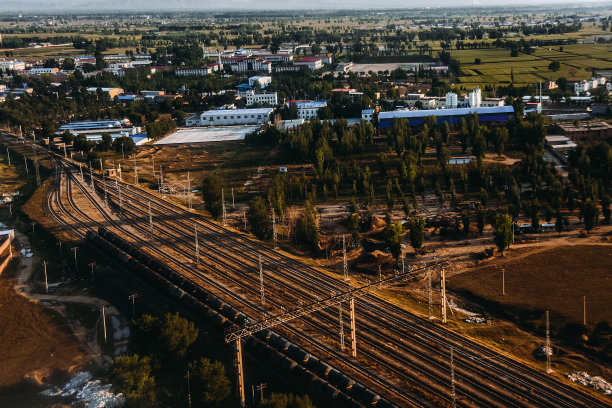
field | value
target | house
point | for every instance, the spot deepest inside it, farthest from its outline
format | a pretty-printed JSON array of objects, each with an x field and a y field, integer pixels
[
  {"x": 263, "y": 81},
  {"x": 367, "y": 115},
  {"x": 308, "y": 109}
]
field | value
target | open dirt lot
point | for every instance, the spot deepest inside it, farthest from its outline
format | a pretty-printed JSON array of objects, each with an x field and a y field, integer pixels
[
  {"x": 34, "y": 343},
  {"x": 548, "y": 278}
]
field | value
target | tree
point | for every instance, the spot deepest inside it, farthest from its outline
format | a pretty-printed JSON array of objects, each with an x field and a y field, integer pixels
[
  {"x": 210, "y": 385},
  {"x": 393, "y": 238},
  {"x": 286, "y": 401},
  {"x": 124, "y": 144},
  {"x": 590, "y": 212},
  {"x": 417, "y": 233},
  {"x": 132, "y": 375},
  {"x": 465, "y": 219},
  {"x": 605, "y": 208},
  {"x": 559, "y": 222},
  {"x": 354, "y": 221},
  {"x": 211, "y": 193},
  {"x": 503, "y": 232},
  {"x": 534, "y": 215},
  {"x": 306, "y": 232},
  {"x": 176, "y": 334},
  {"x": 480, "y": 217},
  {"x": 106, "y": 143},
  {"x": 554, "y": 66},
  {"x": 259, "y": 218}
]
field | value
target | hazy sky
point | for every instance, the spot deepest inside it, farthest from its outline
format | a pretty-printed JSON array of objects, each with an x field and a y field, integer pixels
[{"x": 46, "y": 6}]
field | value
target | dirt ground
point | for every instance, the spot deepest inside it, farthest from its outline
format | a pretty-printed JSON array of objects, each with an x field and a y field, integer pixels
[
  {"x": 34, "y": 342},
  {"x": 552, "y": 279}
]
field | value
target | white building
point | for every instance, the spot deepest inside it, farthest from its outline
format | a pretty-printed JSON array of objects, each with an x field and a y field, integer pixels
[
  {"x": 451, "y": 100},
  {"x": 12, "y": 65},
  {"x": 232, "y": 117},
  {"x": 262, "y": 80},
  {"x": 310, "y": 62},
  {"x": 367, "y": 115},
  {"x": 309, "y": 109},
  {"x": 261, "y": 98},
  {"x": 193, "y": 71},
  {"x": 475, "y": 98}
]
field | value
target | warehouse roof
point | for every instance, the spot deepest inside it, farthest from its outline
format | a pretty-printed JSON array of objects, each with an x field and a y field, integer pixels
[
  {"x": 258, "y": 111},
  {"x": 444, "y": 112}
]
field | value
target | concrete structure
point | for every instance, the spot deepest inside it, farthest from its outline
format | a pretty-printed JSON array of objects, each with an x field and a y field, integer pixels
[
  {"x": 193, "y": 71},
  {"x": 451, "y": 100},
  {"x": 262, "y": 98},
  {"x": 499, "y": 114},
  {"x": 288, "y": 68},
  {"x": 491, "y": 102},
  {"x": 232, "y": 117},
  {"x": 475, "y": 98},
  {"x": 40, "y": 71},
  {"x": 207, "y": 135},
  {"x": 244, "y": 64}
]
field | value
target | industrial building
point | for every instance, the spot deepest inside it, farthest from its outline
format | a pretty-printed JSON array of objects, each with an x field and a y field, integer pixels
[
  {"x": 93, "y": 130},
  {"x": 452, "y": 116},
  {"x": 230, "y": 117}
]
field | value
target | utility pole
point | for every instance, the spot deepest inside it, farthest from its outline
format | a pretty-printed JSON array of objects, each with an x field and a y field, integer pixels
[
  {"x": 188, "y": 191},
  {"x": 46, "y": 283},
  {"x": 244, "y": 218},
  {"x": 81, "y": 170},
  {"x": 452, "y": 379},
  {"x": 120, "y": 198},
  {"x": 584, "y": 310},
  {"x": 74, "y": 249},
  {"x": 188, "y": 391},
  {"x": 33, "y": 223},
  {"x": 8, "y": 155},
  {"x": 197, "y": 247},
  {"x": 233, "y": 204},
  {"x": 240, "y": 373},
  {"x": 344, "y": 264},
  {"x": 273, "y": 226},
  {"x": 341, "y": 326},
  {"x": 104, "y": 323},
  {"x": 151, "y": 222},
  {"x": 101, "y": 167},
  {"x": 59, "y": 243},
  {"x": 153, "y": 165},
  {"x": 353, "y": 328},
  {"x": 443, "y": 289},
  {"x": 379, "y": 277},
  {"x": 135, "y": 172},
  {"x": 224, "y": 213},
  {"x": 503, "y": 282},
  {"x": 36, "y": 167},
  {"x": 261, "y": 283},
  {"x": 132, "y": 297},
  {"x": 92, "y": 265},
  {"x": 429, "y": 295},
  {"x": 547, "y": 347},
  {"x": 403, "y": 268},
  {"x": 260, "y": 388},
  {"x": 25, "y": 161}
]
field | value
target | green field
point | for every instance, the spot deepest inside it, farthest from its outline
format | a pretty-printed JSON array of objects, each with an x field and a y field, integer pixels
[{"x": 577, "y": 61}]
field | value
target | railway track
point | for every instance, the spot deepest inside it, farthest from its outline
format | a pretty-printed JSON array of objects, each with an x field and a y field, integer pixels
[{"x": 480, "y": 370}]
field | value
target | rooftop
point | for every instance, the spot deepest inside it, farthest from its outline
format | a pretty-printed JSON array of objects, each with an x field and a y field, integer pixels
[
  {"x": 257, "y": 111},
  {"x": 445, "y": 112}
]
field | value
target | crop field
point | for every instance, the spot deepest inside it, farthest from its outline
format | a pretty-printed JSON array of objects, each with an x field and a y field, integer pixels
[
  {"x": 553, "y": 279},
  {"x": 577, "y": 61}
]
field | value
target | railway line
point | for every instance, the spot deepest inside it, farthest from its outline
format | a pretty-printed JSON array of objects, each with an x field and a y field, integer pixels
[
  {"x": 409, "y": 349},
  {"x": 502, "y": 367}
]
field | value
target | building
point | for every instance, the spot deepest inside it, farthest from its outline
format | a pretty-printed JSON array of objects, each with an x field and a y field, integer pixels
[
  {"x": 314, "y": 62},
  {"x": 245, "y": 64},
  {"x": 231, "y": 117},
  {"x": 41, "y": 71},
  {"x": 93, "y": 130},
  {"x": 308, "y": 109},
  {"x": 475, "y": 98},
  {"x": 367, "y": 115},
  {"x": 203, "y": 71},
  {"x": 451, "y": 100},
  {"x": 491, "y": 102},
  {"x": 585, "y": 131},
  {"x": 277, "y": 57},
  {"x": 263, "y": 81},
  {"x": 289, "y": 68},
  {"x": 112, "y": 92},
  {"x": 499, "y": 114},
  {"x": 12, "y": 65},
  {"x": 261, "y": 99}
]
